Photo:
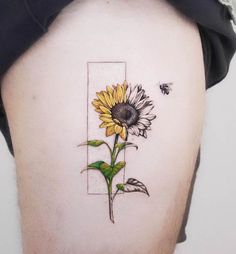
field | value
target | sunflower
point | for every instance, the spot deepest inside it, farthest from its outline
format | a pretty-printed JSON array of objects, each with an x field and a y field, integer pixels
[{"x": 124, "y": 109}]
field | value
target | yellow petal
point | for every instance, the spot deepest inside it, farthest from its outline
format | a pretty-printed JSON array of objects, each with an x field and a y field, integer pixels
[
  {"x": 110, "y": 130},
  {"x": 104, "y": 125},
  {"x": 105, "y": 110},
  {"x": 102, "y": 99},
  {"x": 120, "y": 93},
  {"x": 96, "y": 103},
  {"x": 125, "y": 85},
  {"x": 109, "y": 89},
  {"x": 106, "y": 115},
  {"x": 123, "y": 133},
  {"x": 98, "y": 110},
  {"x": 112, "y": 99},
  {"x": 115, "y": 96},
  {"x": 107, "y": 98},
  {"x": 106, "y": 120},
  {"x": 118, "y": 129}
]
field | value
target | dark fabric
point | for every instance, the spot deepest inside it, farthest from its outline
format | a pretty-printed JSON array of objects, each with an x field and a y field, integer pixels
[
  {"x": 218, "y": 37},
  {"x": 22, "y": 22}
]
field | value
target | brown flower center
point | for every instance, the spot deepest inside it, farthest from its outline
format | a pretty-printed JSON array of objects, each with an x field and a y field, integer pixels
[{"x": 125, "y": 113}]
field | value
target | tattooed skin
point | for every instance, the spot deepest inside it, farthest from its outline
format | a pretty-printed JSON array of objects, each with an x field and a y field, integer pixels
[{"x": 123, "y": 110}]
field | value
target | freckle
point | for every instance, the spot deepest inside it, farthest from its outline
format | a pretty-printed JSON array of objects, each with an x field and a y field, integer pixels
[{"x": 34, "y": 97}]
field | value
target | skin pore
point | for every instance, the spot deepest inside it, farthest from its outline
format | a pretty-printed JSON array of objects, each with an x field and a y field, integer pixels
[{"x": 46, "y": 100}]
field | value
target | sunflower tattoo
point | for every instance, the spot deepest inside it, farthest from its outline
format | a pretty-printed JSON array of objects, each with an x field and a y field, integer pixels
[{"x": 123, "y": 109}]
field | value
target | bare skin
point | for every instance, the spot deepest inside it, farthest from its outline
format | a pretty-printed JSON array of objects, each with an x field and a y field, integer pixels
[{"x": 44, "y": 94}]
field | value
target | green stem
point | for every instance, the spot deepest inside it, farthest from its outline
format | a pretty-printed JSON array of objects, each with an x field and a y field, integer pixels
[
  {"x": 109, "y": 182},
  {"x": 117, "y": 154},
  {"x": 113, "y": 154},
  {"x": 115, "y": 194},
  {"x": 110, "y": 200}
]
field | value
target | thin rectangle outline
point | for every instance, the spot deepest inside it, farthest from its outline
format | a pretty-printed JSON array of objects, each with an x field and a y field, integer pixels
[{"x": 99, "y": 62}]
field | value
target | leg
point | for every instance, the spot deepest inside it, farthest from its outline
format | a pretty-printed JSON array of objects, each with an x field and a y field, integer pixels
[{"x": 45, "y": 96}]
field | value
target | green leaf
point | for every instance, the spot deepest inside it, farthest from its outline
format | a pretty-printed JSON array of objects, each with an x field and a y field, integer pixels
[
  {"x": 120, "y": 186},
  {"x": 106, "y": 170},
  {"x": 118, "y": 166},
  {"x": 103, "y": 167},
  {"x": 124, "y": 145},
  {"x": 96, "y": 165},
  {"x": 94, "y": 143}
]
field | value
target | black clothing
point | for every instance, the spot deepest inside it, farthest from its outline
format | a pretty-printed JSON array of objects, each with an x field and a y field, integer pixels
[
  {"x": 22, "y": 22},
  {"x": 217, "y": 34}
]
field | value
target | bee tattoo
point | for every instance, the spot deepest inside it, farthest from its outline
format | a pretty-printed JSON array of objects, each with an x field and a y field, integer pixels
[{"x": 165, "y": 88}]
